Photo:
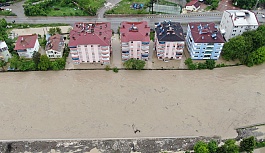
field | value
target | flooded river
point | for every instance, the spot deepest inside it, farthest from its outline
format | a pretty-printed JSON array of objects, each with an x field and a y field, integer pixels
[{"x": 101, "y": 104}]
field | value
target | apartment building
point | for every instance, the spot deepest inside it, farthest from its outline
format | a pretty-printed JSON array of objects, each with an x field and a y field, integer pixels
[
  {"x": 204, "y": 40},
  {"x": 4, "y": 53},
  {"x": 169, "y": 40},
  {"x": 26, "y": 45},
  {"x": 90, "y": 42},
  {"x": 135, "y": 39},
  {"x": 55, "y": 46},
  {"x": 235, "y": 22}
]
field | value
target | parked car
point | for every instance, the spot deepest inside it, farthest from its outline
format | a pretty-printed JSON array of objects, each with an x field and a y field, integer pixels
[
  {"x": 8, "y": 9},
  {"x": 263, "y": 15}
]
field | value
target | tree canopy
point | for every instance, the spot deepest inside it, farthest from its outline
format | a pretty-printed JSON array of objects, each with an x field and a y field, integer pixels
[
  {"x": 134, "y": 64},
  {"x": 201, "y": 147},
  {"x": 246, "y": 47},
  {"x": 248, "y": 144}
]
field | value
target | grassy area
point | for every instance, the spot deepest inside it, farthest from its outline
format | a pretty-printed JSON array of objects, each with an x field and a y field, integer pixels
[
  {"x": 62, "y": 8},
  {"x": 26, "y": 25},
  {"x": 124, "y": 7},
  {"x": 65, "y": 11},
  {"x": 7, "y": 13},
  {"x": 152, "y": 36}
]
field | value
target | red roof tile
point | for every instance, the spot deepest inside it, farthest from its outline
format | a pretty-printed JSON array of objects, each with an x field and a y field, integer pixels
[
  {"x": 54, "y": 42},
  {"x": 140, "y": 32},
  {"x": 207, "y": 30},
  {"x": 25, "y": 41},
  {"x": 85, "y": 33},
  {"x": 193, "y": 2}
]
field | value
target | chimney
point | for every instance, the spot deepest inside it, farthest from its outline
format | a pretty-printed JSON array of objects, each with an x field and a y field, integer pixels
[
  {"x": 123, "y": 34},
  {"x": 22, "y": 39},
  {"x": 104, "y": 38},
  {"x": 145, "y": 26},
  {"x": 123, "y": 26},
  {"x": 100, "y": 33},
  {"x": 146, "y": 34}
]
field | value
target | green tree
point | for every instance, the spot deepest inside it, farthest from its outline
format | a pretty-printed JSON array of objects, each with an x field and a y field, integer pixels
[
  {"x": 212, "y": 146},
  {"x": 134, "y": 64},
  {"x": 2, "y": 64},
  {"x": 188, "y": 61},
  {"x": 55, "y": 30},
  {"x": 248, "y": 144},
  {"x": 202, "y": 66},
  {"x": 36, "y": 58},
  {"x": 210, "y": 64},
  {"x": 201, "y": 147},
  {"x": 44, "y": 63},
  {"x": 257, "y": 57},
  {"x": 14, "y": 61},
  {"x": 228, "y": 147},
  {"x": 58, "y": 64}
]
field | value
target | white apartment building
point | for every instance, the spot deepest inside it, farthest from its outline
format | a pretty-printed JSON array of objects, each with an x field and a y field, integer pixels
[
  {"x": 169, "y": 40},
  {"x": 235, "y": 22},
  {"x": 55, "y": 46},
  {"x": 91, "y": 42},
  {"x": 135, "y": 40},
  {"x": 4, "y": 53},
  {"x": 26, "y": 45}
]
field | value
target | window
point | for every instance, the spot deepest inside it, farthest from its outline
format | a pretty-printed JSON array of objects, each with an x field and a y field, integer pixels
[
  {"x": 195, "y": 56},
  {"x": 216, "y": 52},
  {"x": 198, "y": 48},
  {"x": 240, "y": 31},
  {"x": 91, "y": 45},
  {"x": 234, "y": 30},
  {"x": 233, "y": 34},
  {"x": 236, "y": 26},
  {"x": 197, "y": 52},
  {"x": 85, "y": 45}
]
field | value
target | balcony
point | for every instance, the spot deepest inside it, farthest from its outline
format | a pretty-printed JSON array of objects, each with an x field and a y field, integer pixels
[
  {"x": 144, "y": 55},
  {"x": 75, "y": 58},
  {"x": 124, "y": 44},
  {"x": 104, "y": 48},
  {"x": 125, "y": 48},
  {"x": 160, "y": 55},
  {"x": 105, "y": 56},
  {"x": 104, "y": 52},
  {"x": 125, "y": 52},
  {"x": 105, "y": 59},
  {"x": 145, "y": 48},
  {"x": 160, "y": 51},
  {"x": 124, "y": 57},
  {"x": 208, "y": 53},
  {"x": 178, "y": 53}
]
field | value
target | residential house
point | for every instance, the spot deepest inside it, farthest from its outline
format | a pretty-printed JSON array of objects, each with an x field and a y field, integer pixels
[
  {"x": 55, "y": 46},
  {"x": 204, "y": 40},
  {"x": 193, "y": 5},
  {"x": 135, "y": 40},
  {"x": 169, "y": 40},
  {"x": 235, "y": 22},
  {"x": 26, "y": 45},
  {"x": 4, "y": 53},
  {"x": 90, "y": 42}
]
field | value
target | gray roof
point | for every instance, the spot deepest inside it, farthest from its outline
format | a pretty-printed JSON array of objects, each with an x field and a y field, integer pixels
[{"x": 169, "y": 31}]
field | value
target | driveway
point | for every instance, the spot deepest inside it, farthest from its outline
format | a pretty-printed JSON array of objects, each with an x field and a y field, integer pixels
[
  {"x": 108, "y": 5},
  {"x": 226, "y": 5},
  {"x": 18, "y": 9}
]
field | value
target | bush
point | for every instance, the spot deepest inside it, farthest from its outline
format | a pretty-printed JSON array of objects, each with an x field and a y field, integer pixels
[
  {"x": 107, "y": 68},
  {"x": 248, "y": 144},
  {"x": 202, "y": 66},
  {"x": 210, "y": 64},
  {"x": 134, "y": 64},
  {"x": 115, "y": 69}
]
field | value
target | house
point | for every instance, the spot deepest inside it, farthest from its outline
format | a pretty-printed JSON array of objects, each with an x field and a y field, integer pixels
[
  {"x": 26, "y": 45},
  {"x": 4, "y": 53},
  {"x": 169, "y": 40},
  {"x": 135, "y": 40},
  {"x": 90, "y": 42},
  {"x": 55, "y": 46},
  {"x": 193, "y": 5},
  {"x": 235, "y": 22},
  {"x": 204, "y": 40}
]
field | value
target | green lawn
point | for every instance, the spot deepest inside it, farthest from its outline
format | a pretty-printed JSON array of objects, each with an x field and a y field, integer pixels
[
  {"x": 7, "y": 13},
  {"x": 124, "y": 7},
  {"x": 66, "y": 11}
]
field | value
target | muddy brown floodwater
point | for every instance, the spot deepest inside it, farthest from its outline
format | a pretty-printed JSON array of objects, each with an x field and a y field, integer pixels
[{"x": 101, "y": 104}]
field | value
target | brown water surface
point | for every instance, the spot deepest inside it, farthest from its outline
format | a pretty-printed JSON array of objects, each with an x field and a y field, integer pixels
[{"x": 101, "y": 104}]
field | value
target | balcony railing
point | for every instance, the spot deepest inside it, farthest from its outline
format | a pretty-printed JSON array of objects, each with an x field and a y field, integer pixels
[
  {"x": 104, "y": 52},
  {"x": 105, "y": 55},
  {"x": 104, "y": 48},
  {"x": 159, "y": 55}
]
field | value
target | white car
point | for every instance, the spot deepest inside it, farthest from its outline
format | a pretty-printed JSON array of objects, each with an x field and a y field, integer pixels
[
  {"x": 8, "y": 9},
  {"x": 263, "y": 15}
]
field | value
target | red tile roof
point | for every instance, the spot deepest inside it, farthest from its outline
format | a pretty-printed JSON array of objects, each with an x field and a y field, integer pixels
[
  {"x": 54, "y": 43},
  {"x": 25, "y": 41},
  {"x": 207, "y": 30},
  {"x": 135, "y": 31},
  {"x": 85, "y": 33},
  {"x": 193, "y": 2}
]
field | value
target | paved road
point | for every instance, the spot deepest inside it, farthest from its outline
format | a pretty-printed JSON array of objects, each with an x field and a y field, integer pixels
[{"x": 101, "y": 11}]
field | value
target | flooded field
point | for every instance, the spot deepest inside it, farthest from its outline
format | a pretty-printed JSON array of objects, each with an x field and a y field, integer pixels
[{"x": 101, "y": 104}]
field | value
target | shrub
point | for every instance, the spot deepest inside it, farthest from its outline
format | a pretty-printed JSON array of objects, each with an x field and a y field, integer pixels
[
  {"x": 107, "y": 68},
  {"x": 115, "y": 69},
  {"x": 210, "y": 64}
]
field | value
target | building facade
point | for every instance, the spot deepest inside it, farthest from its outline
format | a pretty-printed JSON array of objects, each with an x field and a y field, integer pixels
[
  {"x": 169, "y": 40},
  {"x": 193, "y": 5},
  {"x": 4, "y": 53},
  {"x": 235, "y": 22},
  {"x": 26, "y": 45},
  {"x": 55, "y": 46},
  {"x": 90, "y": 42},
  {"x": 204, "y": 40},
  {"x": 135, "y": 40}
]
